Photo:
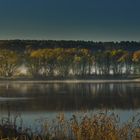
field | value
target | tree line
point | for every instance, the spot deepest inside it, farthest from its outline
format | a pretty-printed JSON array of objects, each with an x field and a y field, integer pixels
[
  {"x": 67, "y": 62},
  {"x": 22, "y": 45}
]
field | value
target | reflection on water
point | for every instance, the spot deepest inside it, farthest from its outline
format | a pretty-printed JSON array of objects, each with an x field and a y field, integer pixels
[
  {"x": 46, "y": 100},
  {"x": 69, "y": 97}
]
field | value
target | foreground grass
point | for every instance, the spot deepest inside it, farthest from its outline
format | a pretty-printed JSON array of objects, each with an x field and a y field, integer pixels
[{"x": 101, "y": 126}]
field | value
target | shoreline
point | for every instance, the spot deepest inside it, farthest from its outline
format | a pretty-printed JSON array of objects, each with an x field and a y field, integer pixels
[{"x": 71, "y": 81}]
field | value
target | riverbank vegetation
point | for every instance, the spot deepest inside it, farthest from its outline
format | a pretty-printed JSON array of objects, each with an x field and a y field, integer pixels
[
  {"x": 101, "y": 126},
  {"x": 65, "y": 59}
]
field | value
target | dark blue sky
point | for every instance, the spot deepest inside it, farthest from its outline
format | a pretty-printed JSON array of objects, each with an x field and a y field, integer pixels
[{"x": 97, "y": 20}]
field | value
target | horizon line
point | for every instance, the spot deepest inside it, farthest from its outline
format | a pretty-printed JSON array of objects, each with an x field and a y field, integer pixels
[{"x": 96, "y": 41}]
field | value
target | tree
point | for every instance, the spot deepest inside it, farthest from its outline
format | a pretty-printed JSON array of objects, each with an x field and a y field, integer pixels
[
  {"x": 136, "y": 59},
  {"x": 33, "y": 62},
  {"x": 9, "y": 62}
]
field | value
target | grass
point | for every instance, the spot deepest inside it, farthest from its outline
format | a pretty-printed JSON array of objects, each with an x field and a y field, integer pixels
[{"x": 100, "y": 126}]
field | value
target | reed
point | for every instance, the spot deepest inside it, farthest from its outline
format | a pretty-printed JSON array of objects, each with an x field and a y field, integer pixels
[{"x": 101, "y": 126}]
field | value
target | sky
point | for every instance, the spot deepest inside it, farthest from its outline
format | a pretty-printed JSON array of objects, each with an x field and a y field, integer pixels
[{"x": 96, "y": 20}]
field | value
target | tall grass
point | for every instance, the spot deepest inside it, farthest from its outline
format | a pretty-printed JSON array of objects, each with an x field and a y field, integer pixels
[{"x": 100, "y": 126}]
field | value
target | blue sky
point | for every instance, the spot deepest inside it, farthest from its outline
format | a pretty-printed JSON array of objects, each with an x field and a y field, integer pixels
[{"x": 97, "y": 20}]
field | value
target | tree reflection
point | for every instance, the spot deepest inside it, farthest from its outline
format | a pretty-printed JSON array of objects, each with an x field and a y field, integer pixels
[{"x": 67, "y": 97}]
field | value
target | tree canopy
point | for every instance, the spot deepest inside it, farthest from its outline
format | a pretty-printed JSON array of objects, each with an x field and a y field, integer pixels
[{"x": 69, "y": 58}]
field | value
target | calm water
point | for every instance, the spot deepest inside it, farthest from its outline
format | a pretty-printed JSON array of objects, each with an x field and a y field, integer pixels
[{"x": 38, "y": 101}]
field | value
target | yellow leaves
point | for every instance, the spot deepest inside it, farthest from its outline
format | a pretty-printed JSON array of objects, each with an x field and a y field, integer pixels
[
  {"x": 84, "y": 51},
  {"x": 136, "y": 56},
  {"x": 59, "y": 58},
  {"x": 124, "y": 57},
  {"x": 119, "y": 56},
  {"x": 36, "y": 53},
  {"x": 59, "y": 53},
  {"x": 9, "y": 60},
  {"x": 77, "y": 58},
  {"x": 9, "y": 56},
  {"x": 116, "y": 53},
  {"x": 62, "y": 55},
  {"x": 113, "y": 53}
]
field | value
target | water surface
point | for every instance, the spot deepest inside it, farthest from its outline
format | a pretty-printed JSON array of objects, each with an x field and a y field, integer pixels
[{"x": 45, "y": 100}]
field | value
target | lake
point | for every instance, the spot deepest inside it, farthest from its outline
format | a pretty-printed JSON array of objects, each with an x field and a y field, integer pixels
[{"x": 38, "y": 101}]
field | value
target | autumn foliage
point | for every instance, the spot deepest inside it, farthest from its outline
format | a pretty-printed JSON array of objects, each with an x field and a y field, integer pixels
[{"x": 67, "y": 62}]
